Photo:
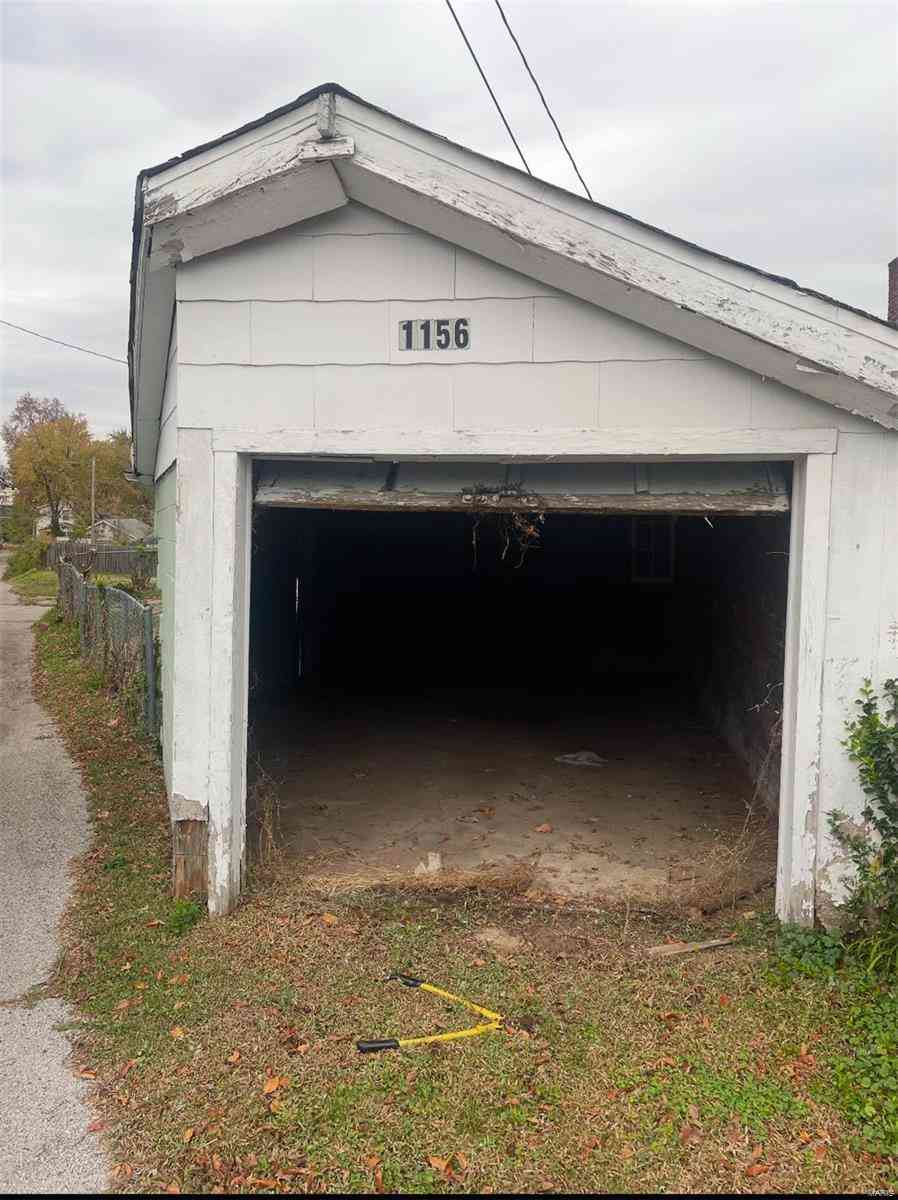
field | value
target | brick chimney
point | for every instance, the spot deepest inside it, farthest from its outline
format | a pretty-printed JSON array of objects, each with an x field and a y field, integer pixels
[{"x": 893, "y": 291}]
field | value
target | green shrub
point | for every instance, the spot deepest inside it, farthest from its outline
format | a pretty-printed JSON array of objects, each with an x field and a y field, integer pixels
[
  {"x": 812, "y": 952},
  {"x": 872, "y": 904},
  {"x": 26, "y": 558},
  {"x": 184, "y": 914}
]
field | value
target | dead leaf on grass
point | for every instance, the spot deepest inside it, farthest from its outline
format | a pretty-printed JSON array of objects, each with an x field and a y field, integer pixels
[
  {"x": 187, "y": 1135},
  {"x": 177, "y": 1032},
  {"x": 757, "y": 1169},
  {"x": 544, "y": 828},
  {"x": 235, "y": 1057},
  {"x": 329, "y": 919}
]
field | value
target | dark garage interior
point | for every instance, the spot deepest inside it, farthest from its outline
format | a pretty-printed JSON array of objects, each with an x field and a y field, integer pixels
[{"x": 594, "y": 694}]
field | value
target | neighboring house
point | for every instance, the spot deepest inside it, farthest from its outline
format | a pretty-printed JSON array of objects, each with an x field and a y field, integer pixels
[
  {"x": 340, "y": 320},
  {"x": 120, "y": 530},
  {"x": 67, "y": 520}
]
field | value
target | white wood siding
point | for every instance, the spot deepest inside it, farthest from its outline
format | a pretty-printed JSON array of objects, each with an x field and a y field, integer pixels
[
  {"x": 289, "y": 344},
  {"x": 862, "y": 620},
  {"x": 299, "y": 330},
  {"x": 166, "y": 505}
]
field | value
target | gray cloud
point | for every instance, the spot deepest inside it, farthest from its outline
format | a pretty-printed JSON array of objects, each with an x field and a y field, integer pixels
[{"x": 764, "y": 131}]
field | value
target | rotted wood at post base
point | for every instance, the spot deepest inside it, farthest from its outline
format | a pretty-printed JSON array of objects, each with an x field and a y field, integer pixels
[
  {"x": 335, "y": 309},
  {"x": 190, "y": 859}
]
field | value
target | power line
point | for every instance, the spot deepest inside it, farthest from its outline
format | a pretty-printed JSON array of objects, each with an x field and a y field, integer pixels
[
  {"x": 488, "y": 88},
  {"x": 69, "y": 345},
  {"x": 541, "y": 96}
]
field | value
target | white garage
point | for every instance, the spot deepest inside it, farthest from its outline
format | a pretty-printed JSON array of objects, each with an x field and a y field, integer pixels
[{"x": 459, "y": 475}]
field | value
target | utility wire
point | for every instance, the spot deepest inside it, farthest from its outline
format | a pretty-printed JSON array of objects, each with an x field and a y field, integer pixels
[
  {"x": 69, "y": 345},
  {"x": 488, "y": 88},
  {"x": 541, "y": 96}
]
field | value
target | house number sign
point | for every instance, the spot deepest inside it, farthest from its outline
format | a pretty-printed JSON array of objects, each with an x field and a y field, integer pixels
[{"x": 435, "y": 334}]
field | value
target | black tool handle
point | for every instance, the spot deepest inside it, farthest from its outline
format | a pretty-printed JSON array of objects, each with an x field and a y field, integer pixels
[
  {"x": 373, "y": 1047},
  {"x": 408, "y": 980}
]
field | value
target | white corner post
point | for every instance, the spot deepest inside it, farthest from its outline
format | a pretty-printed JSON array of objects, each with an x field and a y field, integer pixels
[
  {"x": 229, "y": 669},
  {"x": 803, "y": 689}
]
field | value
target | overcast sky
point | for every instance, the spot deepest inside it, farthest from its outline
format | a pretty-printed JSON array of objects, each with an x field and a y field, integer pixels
[{"x": 764, "y": 131}]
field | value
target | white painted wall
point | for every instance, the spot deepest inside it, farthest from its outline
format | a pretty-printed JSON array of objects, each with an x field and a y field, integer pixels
[
  {"x": 293, "y": 338},
  {"x": 299, "y": 330},
  {"x": 165, "y": 518},
  {"x": 861, "y": 619}
]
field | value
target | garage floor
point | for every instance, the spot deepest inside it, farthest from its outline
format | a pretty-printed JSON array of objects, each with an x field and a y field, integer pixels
[{"x": 369, "y": 783}]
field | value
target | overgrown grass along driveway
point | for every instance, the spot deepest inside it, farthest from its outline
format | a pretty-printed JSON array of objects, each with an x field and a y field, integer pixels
[
  {"x": 43, "y": 584},
  {"x": 224, "y": 1057},
  {"x": 35, "y": 585}
]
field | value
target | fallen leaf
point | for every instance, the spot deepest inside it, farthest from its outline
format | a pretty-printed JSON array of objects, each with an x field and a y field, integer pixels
[
  {"x": 97, "y": 1127},
  {"x": 235, "y": 1057},
  {"x": 438, "y": 1164},
  {"x": 177, "y": 1032},
  {"x": 187, "y": 1135},
  {"x": 122, "y": 1004},
  {"x": 87, "y": 1073},
  {"x": 372, "y": 1161},
  {"x": 724, "y": 1001},
  {"x": 461, "y": 1159},
  {"x": 274, "y": 1083},
  {"x": 757, "y": 1169},
  {"x": 544, "y": 828},
  {"x": 329, "y": 919},
  {"x": 819, "y": 1153},
  {"x": 690, "y": 1133},
  {"x": 379, "y": 1181}
]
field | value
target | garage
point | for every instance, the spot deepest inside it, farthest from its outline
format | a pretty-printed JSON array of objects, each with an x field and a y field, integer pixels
[
  {"x": 502, "y": 530},
  {"x": 569, "y": 673}
]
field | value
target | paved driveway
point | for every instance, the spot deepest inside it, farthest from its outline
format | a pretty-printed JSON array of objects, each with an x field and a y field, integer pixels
[{"x": 44, "y": 1143}]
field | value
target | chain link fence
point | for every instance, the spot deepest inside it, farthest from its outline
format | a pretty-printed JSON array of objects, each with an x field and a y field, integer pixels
[{"x": 119, "y": 637}]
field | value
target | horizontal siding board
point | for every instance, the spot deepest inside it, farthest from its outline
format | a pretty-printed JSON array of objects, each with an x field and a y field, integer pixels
[
  {"x": 500, "y": 330},
  {"x": 245, "y": 396},
  {"x": 213, "y": 332},
  {"x": 525, "y": 396},
  {"x": 709, "y": 393},
  {"x": 382, "y": 267},
  {"x": 565, "y": 328},
  {"x": 307, "y": 332},
  {"x": 277, "y": 267},
  {"x": 383, "y": 397}
]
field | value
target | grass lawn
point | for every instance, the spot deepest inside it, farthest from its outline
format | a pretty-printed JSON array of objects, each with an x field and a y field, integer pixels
[
  {"x": 224, "y": 1058},
  {"x": 43, "y": 584},
  {"x": 36, "y": 585}
]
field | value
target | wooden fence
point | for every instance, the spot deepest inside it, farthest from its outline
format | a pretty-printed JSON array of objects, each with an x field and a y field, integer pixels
[{"x": 104, "y": 560}]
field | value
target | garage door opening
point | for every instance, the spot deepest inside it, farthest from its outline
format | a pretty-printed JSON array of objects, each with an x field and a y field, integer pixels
[{"x": 513, "y": 680}]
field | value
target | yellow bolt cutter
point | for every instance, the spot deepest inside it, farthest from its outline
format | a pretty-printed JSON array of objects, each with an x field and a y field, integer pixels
[{"x": 492, "y": 1024}]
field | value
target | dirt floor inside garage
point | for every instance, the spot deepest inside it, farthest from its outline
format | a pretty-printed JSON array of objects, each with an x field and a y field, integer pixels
[{"x": 597, "y": 717}]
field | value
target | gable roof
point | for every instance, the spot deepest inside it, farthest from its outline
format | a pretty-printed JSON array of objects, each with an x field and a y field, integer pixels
[{"x": 330, "y": 146}]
